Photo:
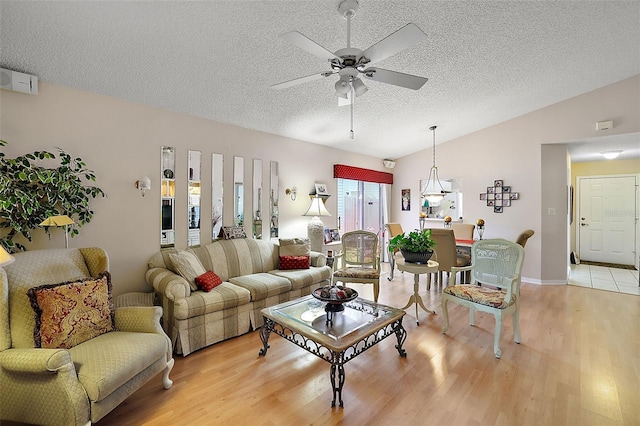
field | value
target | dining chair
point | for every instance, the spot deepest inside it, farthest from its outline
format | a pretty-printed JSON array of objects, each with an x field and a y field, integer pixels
[
  {"x": 359, "y": 261},
  {"x": 463, "y": 231},
  {"x": 497, "y": 263},
  {"x": 394, "y": 229},
  {"x": 446, "y": 253},
  {"x": 524, "y": 237}
]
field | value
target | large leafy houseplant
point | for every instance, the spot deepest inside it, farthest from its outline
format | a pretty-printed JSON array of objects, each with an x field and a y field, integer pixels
[
  {"x": 30, "y": 193},
  {"x": 414, "y": 242}
]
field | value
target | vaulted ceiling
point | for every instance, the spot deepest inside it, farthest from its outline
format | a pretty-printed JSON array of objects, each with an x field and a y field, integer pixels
[{"x": 487, "y": 61}]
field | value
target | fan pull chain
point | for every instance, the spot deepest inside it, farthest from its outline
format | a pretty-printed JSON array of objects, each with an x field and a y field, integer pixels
[{"x": 353, "y": 101}]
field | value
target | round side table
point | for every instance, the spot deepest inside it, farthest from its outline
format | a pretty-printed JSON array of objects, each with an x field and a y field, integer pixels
[{"x": 417, "y": 269}]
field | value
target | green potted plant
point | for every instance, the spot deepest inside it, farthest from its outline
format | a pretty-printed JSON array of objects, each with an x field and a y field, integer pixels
[
  {"x": 416, "y": 246},
  {"x": 30, "y": 193}
]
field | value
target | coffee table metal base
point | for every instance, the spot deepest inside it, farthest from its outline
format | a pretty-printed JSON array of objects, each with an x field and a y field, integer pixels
[{"x": 337, "y": 359}]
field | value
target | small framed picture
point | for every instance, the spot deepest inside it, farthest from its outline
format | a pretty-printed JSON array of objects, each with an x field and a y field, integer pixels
[
  {"x": 506, "y": 202},
  {"x": 506, "y": 189},
  {"x": 497, "y": 209},
  {"x": 497, "y": 182},
  {"x": 321, "y": 189},
  {"x": 483, "y": 196},
  {"x": 514, "y": 196},
  {"x": 490, "y": 203},
  {"x": 490, "y": 189},
  {"x": 406, "y": 200},
  {"x": 331, "y": 235}
]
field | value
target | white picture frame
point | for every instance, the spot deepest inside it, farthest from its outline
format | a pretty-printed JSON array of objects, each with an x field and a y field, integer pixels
[{"x": 321, "y": 189}]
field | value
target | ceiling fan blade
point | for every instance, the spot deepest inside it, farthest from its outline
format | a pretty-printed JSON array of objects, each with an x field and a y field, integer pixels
[
  {"x": 305, "y": 43},
  {"x": 403, "y": 38},
  {"x": 396, "y": 78},
  {"x": 302, "y": 80}
]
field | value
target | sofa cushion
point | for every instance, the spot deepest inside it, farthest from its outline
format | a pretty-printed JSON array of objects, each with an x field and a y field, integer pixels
[
  {"x": 207, "y": 281},
  {"x": 199, "y": 303},
  {"x": 294, "y": 262},
  {"x": 262, "y": 285},
  {"x": 295, "y": 247},
  {"x": 301, "y": 278},
  {"x": 189, "y": 266},
  {"x": 107, "y": 362},
  {"x": 70, "y": 313}
]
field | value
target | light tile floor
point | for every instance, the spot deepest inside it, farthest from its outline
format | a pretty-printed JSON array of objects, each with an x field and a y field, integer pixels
[{"x": 602, "y": 278}]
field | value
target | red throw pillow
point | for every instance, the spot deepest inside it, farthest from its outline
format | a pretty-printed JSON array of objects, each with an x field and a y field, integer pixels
[
  {"x": 208, "y": 281},
  {"x": 294, "y": 262}
]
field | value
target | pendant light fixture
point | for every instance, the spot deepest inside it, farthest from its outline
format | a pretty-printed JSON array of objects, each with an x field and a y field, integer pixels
[{"x": 433, "y": 190}]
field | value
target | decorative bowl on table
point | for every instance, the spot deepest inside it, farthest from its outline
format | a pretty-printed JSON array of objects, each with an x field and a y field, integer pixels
[{"x": 334, "y": 296}]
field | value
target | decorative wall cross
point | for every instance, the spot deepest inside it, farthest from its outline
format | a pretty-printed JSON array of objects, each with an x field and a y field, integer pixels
[{"x": 499, "y": 196}]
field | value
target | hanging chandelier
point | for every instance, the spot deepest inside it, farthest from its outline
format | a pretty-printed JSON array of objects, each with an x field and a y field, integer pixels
[{"x": 433, "y": 190}]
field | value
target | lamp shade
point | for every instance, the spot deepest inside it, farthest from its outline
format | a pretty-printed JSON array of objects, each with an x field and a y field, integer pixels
[
  {"x": 60, "y": 220},
  {"x": 317, "y": 208},
  {"x": 5, "y": 258}
]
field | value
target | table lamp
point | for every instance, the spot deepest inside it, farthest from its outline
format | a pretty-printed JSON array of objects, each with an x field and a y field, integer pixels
[
  {"x": 5, "y": 257},
  {"x": 61, "y": 220},
  {"x": 315, "y": 229}
]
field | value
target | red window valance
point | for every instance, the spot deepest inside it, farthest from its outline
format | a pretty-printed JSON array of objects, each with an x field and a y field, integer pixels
[{"x": 357, "y": 173}]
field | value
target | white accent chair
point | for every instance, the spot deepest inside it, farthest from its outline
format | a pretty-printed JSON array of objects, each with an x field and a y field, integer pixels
[
  {"x": 359, "y": 260},
  {"x": 497, "y": 264}
]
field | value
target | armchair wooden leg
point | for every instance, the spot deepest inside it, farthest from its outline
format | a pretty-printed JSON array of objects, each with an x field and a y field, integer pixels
[
  {"x": 376, "y": 291},
  {"x": 166, "y": 382},
  {"x": 472, "y": 318}
]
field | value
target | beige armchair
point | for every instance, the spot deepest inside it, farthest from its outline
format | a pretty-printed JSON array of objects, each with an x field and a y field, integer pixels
[{"x": 79, "y": 385}]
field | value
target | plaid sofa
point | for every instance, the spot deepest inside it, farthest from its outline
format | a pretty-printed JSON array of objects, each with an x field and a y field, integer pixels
[{"x": 251, "y": 282}]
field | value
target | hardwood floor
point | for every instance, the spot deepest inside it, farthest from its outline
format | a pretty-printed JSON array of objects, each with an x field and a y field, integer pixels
[{"x": 578, "y": 364}]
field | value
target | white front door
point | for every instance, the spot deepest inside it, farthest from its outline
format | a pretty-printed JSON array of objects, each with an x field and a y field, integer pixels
[{"x": 607, "y": 219}]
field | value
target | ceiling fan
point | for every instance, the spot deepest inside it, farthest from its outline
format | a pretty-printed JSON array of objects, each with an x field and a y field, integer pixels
[{"x": 350, "y": 62}]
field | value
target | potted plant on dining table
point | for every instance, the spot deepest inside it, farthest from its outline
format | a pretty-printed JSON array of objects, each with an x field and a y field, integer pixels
[{"x": 416, "y": 246}]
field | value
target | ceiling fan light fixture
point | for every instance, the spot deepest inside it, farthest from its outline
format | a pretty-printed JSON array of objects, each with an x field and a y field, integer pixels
[
  {"x": 359, "y": 87},
  {"x": 342, "y": 86}
]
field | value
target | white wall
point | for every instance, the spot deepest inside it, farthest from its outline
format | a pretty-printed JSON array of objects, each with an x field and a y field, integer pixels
[
  {"x": 121, "y": 141},
  {"x": 512, "y": 151}
]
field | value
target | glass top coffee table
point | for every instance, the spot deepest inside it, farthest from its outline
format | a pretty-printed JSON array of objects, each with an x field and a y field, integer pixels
[{"x": 359, "y": 327}]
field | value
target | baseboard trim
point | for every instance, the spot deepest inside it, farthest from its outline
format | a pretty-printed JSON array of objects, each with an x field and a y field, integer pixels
[{"x": 541, "y": 282}]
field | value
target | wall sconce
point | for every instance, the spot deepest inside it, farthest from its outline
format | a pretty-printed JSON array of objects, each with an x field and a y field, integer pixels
[
  {"x": 143, "y": 184},
  {"x": 291, "y": 193}
]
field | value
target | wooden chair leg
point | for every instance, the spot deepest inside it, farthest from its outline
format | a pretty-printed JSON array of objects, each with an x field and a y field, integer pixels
[
  {"x": 496, "y": 338},
  {"x": 445, "y": 313}
]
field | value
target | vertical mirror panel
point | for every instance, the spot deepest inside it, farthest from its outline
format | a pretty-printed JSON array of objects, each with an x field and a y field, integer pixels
[
  {"x": 168, "y": 197},
  {"x": 257, "y": 199},
  {"x": 193, "y": 206},
  {"x": 217, "y": 173},
  {"x": 273, "y": 199},
  {"x": 238, "y": 190}
]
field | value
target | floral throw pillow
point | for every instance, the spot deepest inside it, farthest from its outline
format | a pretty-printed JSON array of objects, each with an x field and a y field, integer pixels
[
  {"x": 70, "y": 313},
  {"x": 232, "y": 232},
  {"x": 207, "y": 281},
  {"x": 294, "y": 262}
]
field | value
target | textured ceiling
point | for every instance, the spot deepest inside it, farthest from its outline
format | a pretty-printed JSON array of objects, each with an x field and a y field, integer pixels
[{"x": 487, "y": 61}]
